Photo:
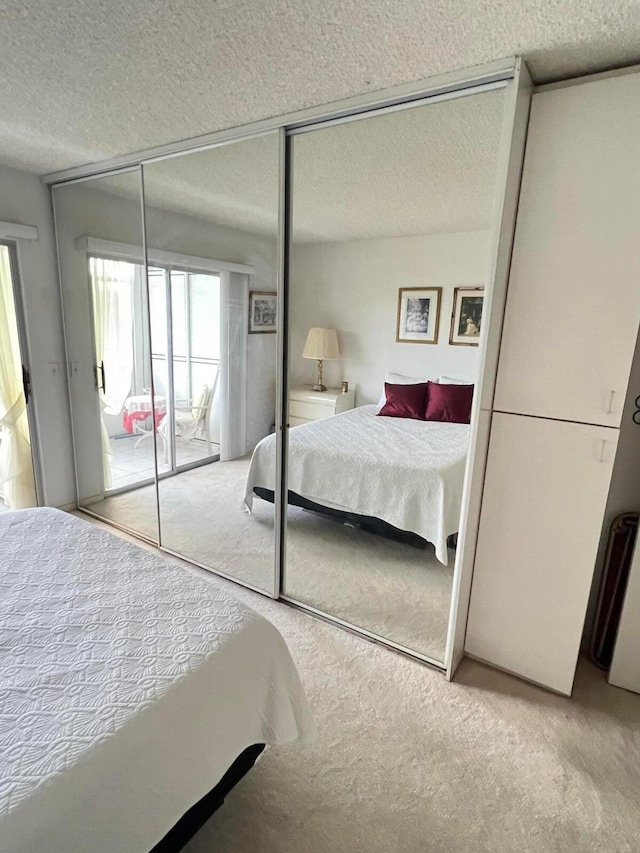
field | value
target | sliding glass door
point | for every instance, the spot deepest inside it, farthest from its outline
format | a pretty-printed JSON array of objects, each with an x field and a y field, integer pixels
[
  {"x": 17, "y": 479},
  {"x": 120, "y": 334},
  {"x": 185, "y": 357}
]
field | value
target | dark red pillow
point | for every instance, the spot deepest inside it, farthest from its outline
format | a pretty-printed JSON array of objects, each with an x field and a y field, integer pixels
[
  {"x": 451, "y": 403},
  {"x": 405, "y": 401}
]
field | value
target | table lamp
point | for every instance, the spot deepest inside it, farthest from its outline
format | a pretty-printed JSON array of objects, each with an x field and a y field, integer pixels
[{"x": 321, "y": 344}]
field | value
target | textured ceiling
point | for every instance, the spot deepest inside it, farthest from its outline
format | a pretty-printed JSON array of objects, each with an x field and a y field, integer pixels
[
  {"x": 417, "y": 171},
  {"x": 420, "y": 171},
  {"x": 87, "y": 79}
]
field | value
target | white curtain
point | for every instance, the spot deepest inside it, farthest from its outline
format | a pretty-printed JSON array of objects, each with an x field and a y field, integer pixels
[
  {"x": 112, "y": 285},
  {"x": 16, "y": 465},
  {"x": 230, "y": 401}
]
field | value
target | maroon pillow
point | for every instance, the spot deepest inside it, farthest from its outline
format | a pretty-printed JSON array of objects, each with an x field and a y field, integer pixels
[
  {"x": 450, "y": 403},
  {"x": 405, "y": 401}
]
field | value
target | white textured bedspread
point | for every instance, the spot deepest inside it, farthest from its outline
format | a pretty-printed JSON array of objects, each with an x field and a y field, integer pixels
[
  {"x": 406, "y": 472},
  {"x": 128, "y": 686}
]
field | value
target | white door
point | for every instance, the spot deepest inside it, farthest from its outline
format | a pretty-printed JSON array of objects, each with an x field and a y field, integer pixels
[
  {"x": 545, "y": 493},
  {"x": 573, "y": 305}
]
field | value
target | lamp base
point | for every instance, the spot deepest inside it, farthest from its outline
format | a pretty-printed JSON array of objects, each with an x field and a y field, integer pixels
[{"x": 319, "y": 385}]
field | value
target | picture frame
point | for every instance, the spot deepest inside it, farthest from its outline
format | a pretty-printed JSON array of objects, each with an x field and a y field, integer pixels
[
  {"x": 418, "y": 315},
  {"x": 263, "y": 312},
  {"x": 466, "y": 317}
]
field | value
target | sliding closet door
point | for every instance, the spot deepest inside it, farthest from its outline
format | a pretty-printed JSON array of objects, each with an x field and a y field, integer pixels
[
  {"x": 100, "y": 250},
  {"x": 212, "y": 245},
  {"x": 390, "y": 249}
]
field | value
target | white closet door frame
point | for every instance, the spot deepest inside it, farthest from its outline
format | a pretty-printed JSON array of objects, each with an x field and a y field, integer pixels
[
  {"x": 512, "y": 72},
  {"x": 512, "y": 145}
]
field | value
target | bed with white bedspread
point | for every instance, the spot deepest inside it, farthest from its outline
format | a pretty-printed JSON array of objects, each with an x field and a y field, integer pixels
[
  {"x": 128, "y": 687},
  {"x": 406, "y": 472}
]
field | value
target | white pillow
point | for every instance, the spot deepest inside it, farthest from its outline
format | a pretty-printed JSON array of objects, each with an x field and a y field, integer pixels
[
  {"x": 396, "y": 379},
  {"x": 447, "y": 380}
]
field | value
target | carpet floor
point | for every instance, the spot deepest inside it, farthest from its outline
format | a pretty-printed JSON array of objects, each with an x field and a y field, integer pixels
[
  {"x": 408, "y": 763},
  {"x": 397, "y": 591}
]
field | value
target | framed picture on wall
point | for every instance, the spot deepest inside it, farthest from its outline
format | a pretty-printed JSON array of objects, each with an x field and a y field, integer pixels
[
  {"x": 263, "y": 306},
  {"x": 466, "y": 319},
  {"x": 418, "y": 315}
]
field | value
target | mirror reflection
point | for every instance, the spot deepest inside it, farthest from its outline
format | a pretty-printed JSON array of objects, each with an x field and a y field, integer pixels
[
  {"x": 100, "y": 249},
  {"x": 390, "y": 252},
  {"x": 211, "y": 230}
]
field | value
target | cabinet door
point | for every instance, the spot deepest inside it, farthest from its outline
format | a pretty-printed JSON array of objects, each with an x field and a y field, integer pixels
[
  {"x": 573, "y": 305},
  {"x": 545, "y": 492}
]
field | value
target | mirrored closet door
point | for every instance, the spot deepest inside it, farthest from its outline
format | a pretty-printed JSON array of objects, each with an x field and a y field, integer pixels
[
  {"x": 211, "y": 220},
  {"x": 104, "y": 292},
  {"x": 244, "y": 338},
  {"x": 390, "y": 250}
]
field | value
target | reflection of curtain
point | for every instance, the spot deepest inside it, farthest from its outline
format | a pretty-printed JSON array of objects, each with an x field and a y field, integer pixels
[
  {"x": 112, "y": 285},
  {"x": 16, "y": 465},
  {"x": 230, "y": 401}
]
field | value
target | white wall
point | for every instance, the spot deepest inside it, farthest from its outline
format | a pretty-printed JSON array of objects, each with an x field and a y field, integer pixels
[
  {"x": 352, "y": 286},
  {"x": 25, "y": 200}
]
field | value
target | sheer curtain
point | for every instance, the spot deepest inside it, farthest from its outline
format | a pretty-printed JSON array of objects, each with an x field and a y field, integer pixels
[
  {"x": 112, "y": 285},
  {"x": 16, "y": 465}
]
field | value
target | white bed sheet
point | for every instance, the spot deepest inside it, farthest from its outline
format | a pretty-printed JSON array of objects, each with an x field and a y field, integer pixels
[
  {"x": 406, "y": 472},
  {"x": 128, "y": 686}
]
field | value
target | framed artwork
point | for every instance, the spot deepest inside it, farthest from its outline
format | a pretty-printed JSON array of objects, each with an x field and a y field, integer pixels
[
  {"x": 263, "y": 306},
  {"x": 466, "y": 319},
  {"x": 418, "y": 315}
]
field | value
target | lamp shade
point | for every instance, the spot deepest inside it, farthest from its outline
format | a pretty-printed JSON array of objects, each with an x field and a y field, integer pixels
[{"x": 321, "y": 343}]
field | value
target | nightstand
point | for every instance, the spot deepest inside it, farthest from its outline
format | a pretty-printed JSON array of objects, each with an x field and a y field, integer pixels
[{"x": 306, "y": 405}]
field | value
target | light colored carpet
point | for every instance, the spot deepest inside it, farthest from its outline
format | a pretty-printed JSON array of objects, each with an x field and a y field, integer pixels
[
  {"x": 392, "y": 589},
  {"x": 407, "y": 763}
]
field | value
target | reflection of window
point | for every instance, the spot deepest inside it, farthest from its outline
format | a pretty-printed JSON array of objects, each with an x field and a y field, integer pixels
[
  {"x": 195, "y": 330},
  {"x": 158, "y": 312},
  {"x": 205, "y": 316},
  {"x": 119, "y": 306}
]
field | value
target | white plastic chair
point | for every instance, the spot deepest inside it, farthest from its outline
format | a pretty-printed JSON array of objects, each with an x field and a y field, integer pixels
[{"x": 192, "y": 421}]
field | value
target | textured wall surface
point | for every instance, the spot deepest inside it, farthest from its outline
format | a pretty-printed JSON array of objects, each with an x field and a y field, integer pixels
[{"x": 88, "y": 79}]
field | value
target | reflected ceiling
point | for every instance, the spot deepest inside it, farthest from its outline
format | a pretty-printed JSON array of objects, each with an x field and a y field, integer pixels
[{"x": 418, "y": 171}]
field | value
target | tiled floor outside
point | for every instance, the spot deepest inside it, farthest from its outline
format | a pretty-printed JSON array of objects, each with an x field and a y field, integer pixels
[{"x": 131, "y": 464}]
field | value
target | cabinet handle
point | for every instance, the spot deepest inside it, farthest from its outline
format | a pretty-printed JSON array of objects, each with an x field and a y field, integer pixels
[
  {"x": 26, "y": 384},
  {"x": 100, "y": 370},
  {"x": 612, "y": 395},
  {"x": 603, "y": 444}
]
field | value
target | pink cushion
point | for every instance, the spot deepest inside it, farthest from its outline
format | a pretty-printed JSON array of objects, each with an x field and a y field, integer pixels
[
  {"x": 450, "y": 403},
  {"x": 405, "y": 401}
]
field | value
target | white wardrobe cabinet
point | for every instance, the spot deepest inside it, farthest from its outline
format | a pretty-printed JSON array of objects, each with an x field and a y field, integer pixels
[
  {"x": 545, "y": 493},
  {"x": 573, "y": 303}
]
